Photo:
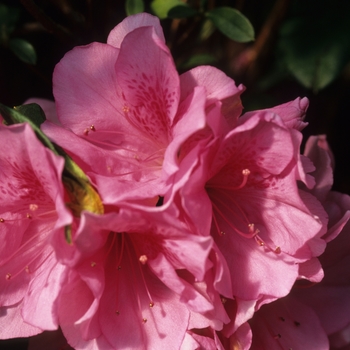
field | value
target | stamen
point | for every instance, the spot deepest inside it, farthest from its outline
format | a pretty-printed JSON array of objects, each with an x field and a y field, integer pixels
[
  {"x": 245, "y": 173},
  {"x": 252, "y": 234},
  {"x": 117, "y": 312},
  {"x": 144, "y": 320},
  {"x": 2, "y": 220},
  {"x": 93, "y": 264},
  {"x": 28, "y": 216},
  {"x": 126, "y": 109},
  {"x": 223, "y": 300},
  {"x": 92, "y": 127},
  {"x": 277, "y": 336},
  {"x": 151, "y": 304},
  {"x": 86, "y": 132},
  {"x": 8, "y": 276}
]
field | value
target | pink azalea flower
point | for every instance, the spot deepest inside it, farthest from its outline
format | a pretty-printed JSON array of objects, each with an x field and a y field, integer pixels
[
  {"x": 330, "y": 298},
  {"x": 313, "y": 312},
  {"x": 127, "y": 112},
  {"x": 32, "y": 210},
  {"x": 261, "y": 222},
  {"x": 132, "y": 277}
]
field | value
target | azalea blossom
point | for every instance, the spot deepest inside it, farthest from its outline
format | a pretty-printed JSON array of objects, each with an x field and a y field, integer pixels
[
  {"x": 259, "y": 217},
  {"x": 124, "y": 114},
  {"x": 314, "y": 314},
  {"x": 32, "y": 211},
  {"x": 209, "y": 216}
]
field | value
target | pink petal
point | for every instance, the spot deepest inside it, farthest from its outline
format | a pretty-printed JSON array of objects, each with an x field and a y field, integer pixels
[
  {"x": 117, "y": 35},
  {"x": 149, "y": 85},
  {"x": 285, "y": 324},
  {"x": 318, "y": 151},
  {"x": 219, "y": 87},
  {"x": 12, "y": 325},
  {"x": 90, "y": 67},
  {"x": 292, "y": 113}
]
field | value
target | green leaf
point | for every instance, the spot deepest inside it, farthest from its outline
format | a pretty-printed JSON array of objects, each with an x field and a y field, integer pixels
[
  {"x": 198, "y": 60},
  {"x": 23, "y": 50},
  {"x": 316, "y": 48},
  {"x": 33, "y": 112},
  {"x": 232, "y": 23},
  {"x": 14, "y": 116},
  {"x": 181, "y": 11},
  {"x": 162, "y": 7},
  {"x": 134, "y": 6},
  {"x": 206, "y": 30},
  {"x": 8, "y": 18}
]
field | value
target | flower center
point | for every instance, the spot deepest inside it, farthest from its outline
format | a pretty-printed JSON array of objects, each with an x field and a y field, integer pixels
[{"x": 227, "y": 209}]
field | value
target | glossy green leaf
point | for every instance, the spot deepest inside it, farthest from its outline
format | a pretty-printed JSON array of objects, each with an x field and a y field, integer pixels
[
  {"x": 232, "y": 23},
  {"x": 198, "y": 60},
  {"x": 134, "y": 6},
  {"x": 33, "y": 112},
  {"x": 316, "y": 48},
  {"x": 162, "y": 7},
  {"x": 23, "y": 50},
  {"x": 14, "y": 116},
  {"x": 181, "y": 11}
]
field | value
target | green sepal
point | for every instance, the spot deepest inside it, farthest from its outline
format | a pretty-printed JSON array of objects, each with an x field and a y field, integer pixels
[{"x": 68, "y": 234}]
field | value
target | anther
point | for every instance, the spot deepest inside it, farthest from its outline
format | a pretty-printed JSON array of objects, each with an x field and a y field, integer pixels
[
  {"x": 92, "y": 127},
  {"x": 27, "y": 269},
  {"x": 277, "y": 336},
  {"x": 277, "y": 250},
  {"x": 119, "y": 267},
  {"x": 117, "y": 312},
  {"x": 28, "y": 216},
  {"x": 93, "y": 264},
  {"x": 245, "y": 173},
  {"x": 259, "y": 241},
  {"x": 33, "y": 207},
  {"x": 143, "y": 259},
  {"x": 86, "y": 131},
  {"x": 151, "y": 304},
  {"x": 2, "y": 220},
  {"x": 8, "y": 276},
  {"x": 252, "y": 230},
  {"x": 223, "y": 300},
  {"x": 126, "y": 109},
  {"x": 144, "y": 320}
]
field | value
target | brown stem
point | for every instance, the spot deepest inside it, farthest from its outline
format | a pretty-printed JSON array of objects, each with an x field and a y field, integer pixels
[{"x": 251, "y": 57}]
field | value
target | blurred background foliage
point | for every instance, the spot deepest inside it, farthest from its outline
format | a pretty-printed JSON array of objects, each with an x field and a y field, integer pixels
[{"x": 279, "y": 49}]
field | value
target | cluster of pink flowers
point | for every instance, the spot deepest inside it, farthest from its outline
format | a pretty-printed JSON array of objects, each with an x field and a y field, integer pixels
[{"x": 213, "y": 231}]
